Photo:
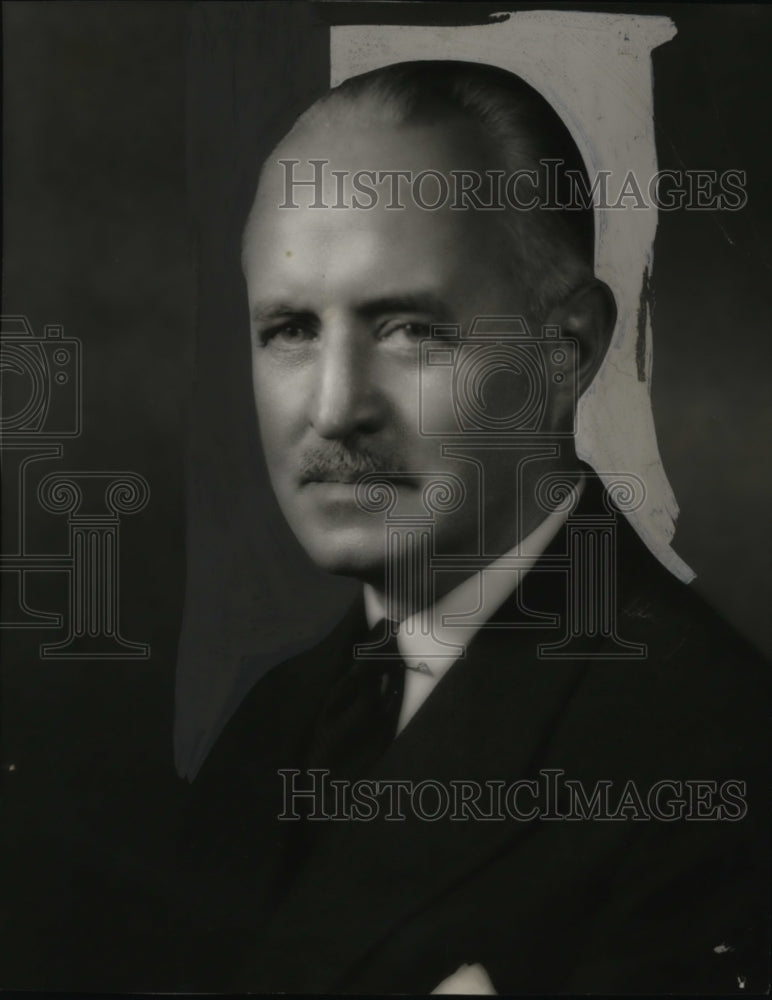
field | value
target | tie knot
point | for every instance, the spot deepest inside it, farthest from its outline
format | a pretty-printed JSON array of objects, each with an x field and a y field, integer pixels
[
  {"x": 379, "y": 644},
  {"x": 359, "y": 717}
]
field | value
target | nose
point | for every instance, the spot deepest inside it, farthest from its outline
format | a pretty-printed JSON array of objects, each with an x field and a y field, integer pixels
[{"x": 345, "y": 399}]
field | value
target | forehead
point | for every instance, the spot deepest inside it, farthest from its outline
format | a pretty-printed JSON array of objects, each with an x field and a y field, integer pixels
[{"x": 333, "y": 246}]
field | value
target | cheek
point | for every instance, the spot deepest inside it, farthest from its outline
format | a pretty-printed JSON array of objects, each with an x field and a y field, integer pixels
[
  {"x": 277, "y": 409},
  {"x": 436, "y": 409}
]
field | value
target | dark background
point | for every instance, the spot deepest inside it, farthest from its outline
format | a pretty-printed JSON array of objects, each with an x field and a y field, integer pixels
[{"x": 132, "y": 133}]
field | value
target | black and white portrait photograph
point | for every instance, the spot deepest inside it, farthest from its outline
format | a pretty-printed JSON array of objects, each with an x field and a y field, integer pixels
[{"x": 385, "y": 432}]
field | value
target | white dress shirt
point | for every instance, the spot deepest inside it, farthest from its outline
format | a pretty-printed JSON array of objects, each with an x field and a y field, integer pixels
[{"x": 425, "y": 652}]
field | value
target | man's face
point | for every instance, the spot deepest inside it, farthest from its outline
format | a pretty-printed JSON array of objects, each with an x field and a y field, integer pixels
[{"x": 340, "y": 299}]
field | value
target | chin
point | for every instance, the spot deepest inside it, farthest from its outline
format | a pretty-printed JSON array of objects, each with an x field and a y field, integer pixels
[{"x": 347, "y": 553}]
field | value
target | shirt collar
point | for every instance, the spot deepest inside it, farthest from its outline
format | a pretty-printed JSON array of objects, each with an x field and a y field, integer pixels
[{"x": 432, "y": 642}]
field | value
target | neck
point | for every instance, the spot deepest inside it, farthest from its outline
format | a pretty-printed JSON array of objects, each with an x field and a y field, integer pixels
[{"x": 409, "y": 589}]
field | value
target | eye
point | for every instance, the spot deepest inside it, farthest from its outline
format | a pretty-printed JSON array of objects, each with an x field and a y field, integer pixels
[
  {"x": 284, "y": 335},
  {"x": 402, "y": 332}
]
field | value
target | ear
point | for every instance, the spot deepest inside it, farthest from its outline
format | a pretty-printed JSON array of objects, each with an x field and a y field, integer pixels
[{"x": 588, "y": 317}]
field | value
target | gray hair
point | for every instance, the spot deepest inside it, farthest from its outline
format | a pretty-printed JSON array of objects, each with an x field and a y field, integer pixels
[{"x": 553, "y": 247}]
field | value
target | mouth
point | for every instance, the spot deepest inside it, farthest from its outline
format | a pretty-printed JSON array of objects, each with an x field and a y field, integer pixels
[
  {"x": 340, "y": 478},
  {"x": 345, "y": 478}
]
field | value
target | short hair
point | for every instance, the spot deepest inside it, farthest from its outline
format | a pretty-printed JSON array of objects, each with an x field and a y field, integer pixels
[{"x": 553, "y": 246}]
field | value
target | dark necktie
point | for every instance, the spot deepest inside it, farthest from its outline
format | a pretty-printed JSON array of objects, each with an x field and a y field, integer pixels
[
  {"x": 356, "y": 724},
  {"x": 359, "y": 717}
]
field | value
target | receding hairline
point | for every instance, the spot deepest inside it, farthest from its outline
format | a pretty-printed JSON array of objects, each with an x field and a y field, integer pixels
[{"x": 519, "y": 127}]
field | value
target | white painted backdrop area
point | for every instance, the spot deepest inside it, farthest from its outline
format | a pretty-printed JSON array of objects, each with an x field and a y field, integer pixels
[{"x": 595, "y": 70}]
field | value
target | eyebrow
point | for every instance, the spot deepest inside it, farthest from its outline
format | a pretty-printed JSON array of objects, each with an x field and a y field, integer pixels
[
  {"x": 408, "y": 302},
  {"x": 264, "y": 312}
]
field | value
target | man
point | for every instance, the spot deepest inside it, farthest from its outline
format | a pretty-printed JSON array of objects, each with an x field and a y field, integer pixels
[{"x": 416, "y": 366}]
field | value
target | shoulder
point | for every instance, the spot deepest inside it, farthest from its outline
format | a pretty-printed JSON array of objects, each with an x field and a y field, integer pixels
[
  {"x": 281, "y": 699},
  {"x": 697, "y": 695}
]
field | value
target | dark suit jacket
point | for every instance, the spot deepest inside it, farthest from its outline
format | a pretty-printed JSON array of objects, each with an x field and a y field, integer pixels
[{"x": 547, "y": 906}]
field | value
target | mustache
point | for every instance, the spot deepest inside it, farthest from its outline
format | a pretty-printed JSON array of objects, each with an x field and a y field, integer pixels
[{"x": 340, "y": 463}]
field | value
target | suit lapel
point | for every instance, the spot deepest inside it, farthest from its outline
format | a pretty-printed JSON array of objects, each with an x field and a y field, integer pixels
[
  {"x": 488, "y": 719},
  {"x": 230, "y": 869}
]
